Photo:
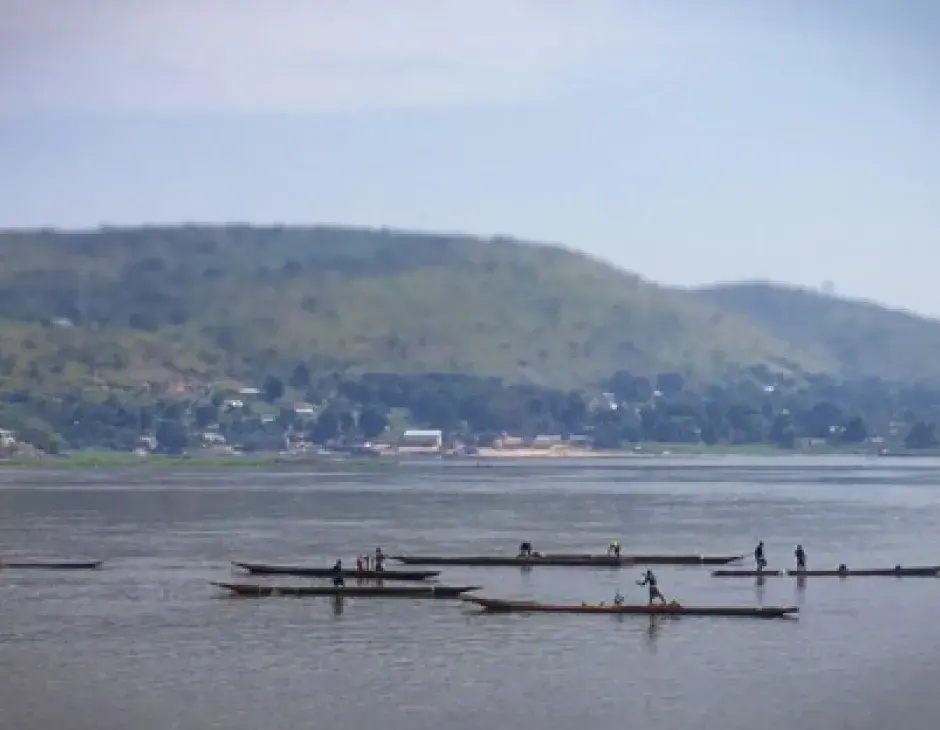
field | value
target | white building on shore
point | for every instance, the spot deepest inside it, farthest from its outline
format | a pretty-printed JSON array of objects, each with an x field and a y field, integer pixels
[{"x": 432, "y": 439}]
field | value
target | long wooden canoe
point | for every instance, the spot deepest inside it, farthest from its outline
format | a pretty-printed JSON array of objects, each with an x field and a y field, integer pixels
[
  {"x": 569, "y": 561},
  {"x": 263, "y": 591},
  {"x": 653, "y": 559},
  {"x": 496, "y": 605},
  {"x": 928, "y": 571},
  {"x": 47, "y": 565},
  {"x": 747, "y": 573},
  {"x": 299, "y": 570}
]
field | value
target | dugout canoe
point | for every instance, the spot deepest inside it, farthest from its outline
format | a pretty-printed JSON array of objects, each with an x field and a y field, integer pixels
[
  {"x": 928, "y": 571},
  {"x": 747, "y": 573},
  {"x": 568, "y": 561},
  {"x": 49, "y": 565},
  {"x": 309, "y": 572},
  {"x": 925, "y": 571},
  {"x": 264, "y": 591},
  {"x": 496, "y": 605}
]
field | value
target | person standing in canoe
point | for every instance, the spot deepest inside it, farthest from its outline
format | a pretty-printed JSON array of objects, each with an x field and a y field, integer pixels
[
  {"x": 359, "y": 564},
  {"x": 379, "y": 559},
  {"x": 650, "y": 580},
  {"x": 338, "y": 580},
  {"x": 525, "y": 549},
  {"x": 800, "y": 554},
  {"x": 759, "y": 556},
  {"x": 613, "y": 549}
]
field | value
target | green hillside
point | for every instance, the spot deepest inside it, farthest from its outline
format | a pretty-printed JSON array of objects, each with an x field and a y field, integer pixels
[
  {"x": 167, "y": 305},
  {"x": 865, "y": 339}
]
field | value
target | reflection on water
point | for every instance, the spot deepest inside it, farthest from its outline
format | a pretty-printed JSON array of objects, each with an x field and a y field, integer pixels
[
  {"x": 338, "y": 605},
  {"x": 147, "y": 638},
  {"x": 759, "y": 583}
]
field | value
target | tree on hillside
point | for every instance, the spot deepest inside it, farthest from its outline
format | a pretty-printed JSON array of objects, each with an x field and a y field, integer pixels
[
  {"x": 326, "y": 428},
  {"x": 854, "y": 431},
  {"x": 172, "y": 436},
  {"x": 669, "y": 383},
  {"x": 921, "y": 436},
  {"x": 372, "y": 422},
  {"x": 205, "y": 414},
  {"x": 820, "y": 419},
  {"x": 41, "y": 438},
  {"x": 746, "y": 423},
  {"x": 437, "y": 410},
  {"x": 272, "y": 388},
  {"x": 630, "y": 388},
  {"x": 782, "y": 432},
  {"x": 287, "y": 418},
  {"x": 300, "y": 376},
  {"x": 574, "y": 413},
  {"x": 347, "y": 421}
]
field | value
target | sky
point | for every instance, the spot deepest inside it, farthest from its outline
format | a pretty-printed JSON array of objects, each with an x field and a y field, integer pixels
[{"x": 689, "y": 141}]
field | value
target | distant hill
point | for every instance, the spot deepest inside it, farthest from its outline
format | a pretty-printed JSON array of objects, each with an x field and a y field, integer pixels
[
  {"x": 865, "y": 339},
  {"x": 194, "y": 304}
]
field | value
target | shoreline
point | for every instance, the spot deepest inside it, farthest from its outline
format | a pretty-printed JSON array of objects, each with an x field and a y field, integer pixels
[{"x": 128, "y": 460}]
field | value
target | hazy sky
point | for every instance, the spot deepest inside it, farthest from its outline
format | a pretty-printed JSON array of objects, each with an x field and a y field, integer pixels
[{"x": 691, "y": 141}]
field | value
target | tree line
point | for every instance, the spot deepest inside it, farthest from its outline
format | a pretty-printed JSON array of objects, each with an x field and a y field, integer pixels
[{"x": 756, "y": 408}]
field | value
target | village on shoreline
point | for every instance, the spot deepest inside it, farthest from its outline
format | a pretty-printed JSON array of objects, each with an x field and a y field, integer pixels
[{"x": 403, "y": 417}]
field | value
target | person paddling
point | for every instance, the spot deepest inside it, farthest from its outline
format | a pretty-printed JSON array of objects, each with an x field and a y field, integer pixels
[
  {"x": 379, "y": 559},
  {"x": 650, "y": 580},
  {"x": 613, "y": 549},
  {"x": 525, "y": 549},
  {"x": 338, "y": 580},
  {"x": 800, "y": 554},
  {"x": 759, "y": 556}
]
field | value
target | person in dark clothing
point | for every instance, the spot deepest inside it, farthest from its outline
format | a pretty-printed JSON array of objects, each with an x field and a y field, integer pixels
[
  {"x": 759, "y": 556},
  {"x": 650, "y": 580},
  {"x": 525, "y": 549},
  {"x": 800, "y": 557},
  {"x": 379, "y": 559},
  {"x": 338, "y": 580}
]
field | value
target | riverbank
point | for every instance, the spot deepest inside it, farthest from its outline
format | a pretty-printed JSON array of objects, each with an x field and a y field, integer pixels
[
  {"x": 123, "y": 460},
  {"x": 553, "y": 453},
  {"x": 657, "y": 449},
  {"x": 197, "y": 460}
]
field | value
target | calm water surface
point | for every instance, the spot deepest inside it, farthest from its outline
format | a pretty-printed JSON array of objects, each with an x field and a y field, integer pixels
[{"x": 147, "y": 641}]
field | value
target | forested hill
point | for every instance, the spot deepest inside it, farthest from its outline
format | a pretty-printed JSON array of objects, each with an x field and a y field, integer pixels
[
  {"x": 199, "y": 304},
  {"x": 865, "y": 339}
]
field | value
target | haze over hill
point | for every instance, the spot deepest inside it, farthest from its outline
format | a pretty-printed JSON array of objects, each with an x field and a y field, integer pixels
[
  {"x": 863, "y": 337},
  {"x": 211, "y": 302}
]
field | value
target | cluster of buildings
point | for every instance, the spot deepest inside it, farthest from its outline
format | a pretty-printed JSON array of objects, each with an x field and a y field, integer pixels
[
  {"x": 410, "y": 441},
  {"x": 432, "y": 441},
  {"x": 7, "y": 440}
]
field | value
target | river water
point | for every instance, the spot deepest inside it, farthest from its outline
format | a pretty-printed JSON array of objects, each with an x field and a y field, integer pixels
[{"x": 147, "y": 643}]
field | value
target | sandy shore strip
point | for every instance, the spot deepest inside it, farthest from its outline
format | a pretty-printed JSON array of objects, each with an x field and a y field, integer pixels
[{"x": 552, "y": 453}]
